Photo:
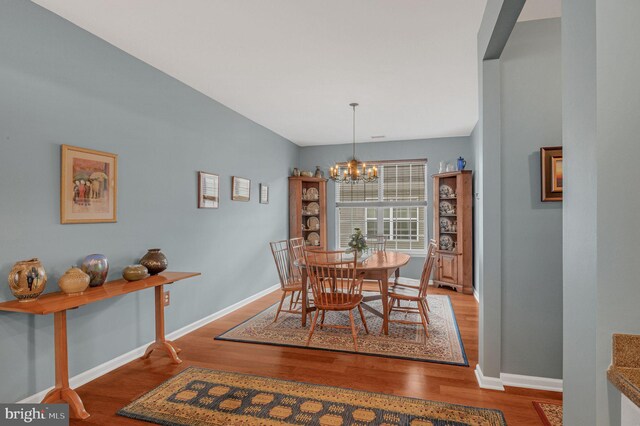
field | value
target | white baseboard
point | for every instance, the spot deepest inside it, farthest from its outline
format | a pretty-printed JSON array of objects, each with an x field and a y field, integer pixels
[
  {"x": 531, "y": 382},
  {"x": 476, "y": 294},
  {"x": 114, "y": 363},
  {"x": 518, "y": 381},
  {"x": 486, "y": 382}
]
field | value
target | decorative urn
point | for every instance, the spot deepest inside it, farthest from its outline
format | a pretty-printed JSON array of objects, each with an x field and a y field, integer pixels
[
  {"x": 97, "y": 267},
  {"x": 74, "y": 281},
  {"x": 155, "y": 261},
  {"x": 27, "y": 280},
  {"x": 135, "y": 273}
]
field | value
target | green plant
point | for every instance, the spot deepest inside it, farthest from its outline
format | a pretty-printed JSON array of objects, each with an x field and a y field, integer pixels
[{"x": 357, "y": 243}]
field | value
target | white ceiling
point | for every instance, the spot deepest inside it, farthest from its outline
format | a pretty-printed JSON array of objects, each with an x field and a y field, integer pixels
[
  {"x": 540, "y": 9},
  {"x": 293, "y": 66}
]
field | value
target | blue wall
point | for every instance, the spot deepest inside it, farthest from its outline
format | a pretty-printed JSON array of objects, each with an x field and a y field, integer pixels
[
  {"x": 531, "y": 230},
  {"x": 62, "y": 85}
]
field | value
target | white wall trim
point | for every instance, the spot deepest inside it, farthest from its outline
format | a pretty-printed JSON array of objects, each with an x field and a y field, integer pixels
[
  {"x": 476, "y": 294},
  {"x": 114, "y": 363},
  {"x": 488, "y": 382},
  {"x": 518, "y": 381},
  {"x": 531, "y": 382}
]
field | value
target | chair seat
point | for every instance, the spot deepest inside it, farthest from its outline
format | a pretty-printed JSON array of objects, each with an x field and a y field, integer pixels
[
  {"x": 338, "y": 302},
  {"x": 406, "y": 293}
]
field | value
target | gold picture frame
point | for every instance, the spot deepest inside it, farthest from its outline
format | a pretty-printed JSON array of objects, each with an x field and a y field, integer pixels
[
  {"x": 551, "y": 173},
  {"x": 240, "y": 188},
  {"x": 88, "y": 185},
  {"x": 208, "y": 190}
]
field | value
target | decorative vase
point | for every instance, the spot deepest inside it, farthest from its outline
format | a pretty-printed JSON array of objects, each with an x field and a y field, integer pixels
[
  {"x": 135, "y": 272},
  {"x": 27, "y": 280},
  {"x": 296, "y": 172},
  {"x": 74, "y": 281},
  {"x": 461, "y": 163},
  {"x": 97, "y": 267},
  {"x": 319, "y": 173},
  {"x": 155, "y": 261}
]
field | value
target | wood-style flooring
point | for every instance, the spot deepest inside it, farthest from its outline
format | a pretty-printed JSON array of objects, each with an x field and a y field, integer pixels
[{"x": 107, "y": 394}]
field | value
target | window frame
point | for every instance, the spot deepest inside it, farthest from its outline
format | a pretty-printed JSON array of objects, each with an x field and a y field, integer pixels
[{"x": 381, "y": 205}]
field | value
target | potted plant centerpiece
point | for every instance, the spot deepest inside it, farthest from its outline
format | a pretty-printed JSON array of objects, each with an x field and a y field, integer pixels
[{"x": 357, "y": 244}]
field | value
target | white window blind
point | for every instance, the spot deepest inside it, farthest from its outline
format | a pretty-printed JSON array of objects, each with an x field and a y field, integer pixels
[{"x": 393, "y": 207}]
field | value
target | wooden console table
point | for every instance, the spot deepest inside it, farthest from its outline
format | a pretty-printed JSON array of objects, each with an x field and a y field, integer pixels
[{"x": 58, "y": 303}]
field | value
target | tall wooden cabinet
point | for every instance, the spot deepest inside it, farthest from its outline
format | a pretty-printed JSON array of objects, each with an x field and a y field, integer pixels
[
  {"x": 308, "y": 209},
  {"x": 453, "y": 230}
]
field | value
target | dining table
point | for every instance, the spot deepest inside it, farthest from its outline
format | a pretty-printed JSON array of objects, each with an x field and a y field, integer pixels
[{"x": 378, "y": 266}]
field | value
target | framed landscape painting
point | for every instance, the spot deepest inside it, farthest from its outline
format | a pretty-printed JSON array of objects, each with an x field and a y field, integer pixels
[
  {"x": 88, "y": 185},
  {"x": 551, "y": 173}
]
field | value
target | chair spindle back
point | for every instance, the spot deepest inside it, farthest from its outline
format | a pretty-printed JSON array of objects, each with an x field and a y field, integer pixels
[
  {"x": 334, "y": 277},
  {"x": 284, "y": 264},
  {"x": 427, "y": 268}
]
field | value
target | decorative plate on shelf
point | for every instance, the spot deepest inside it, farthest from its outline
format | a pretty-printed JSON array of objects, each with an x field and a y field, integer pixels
[
  {"x": 445, "y": 224},
  {"x": 313, "y": 239},
  {"x": 446, "y": 243},
  {"x": 313, "y": 223},
  {"x": 313, "y": 208},
  {"x": 447, "y": 208},
  {"x": 311, "y": 194},
  {"x": 446, "y": 191}
]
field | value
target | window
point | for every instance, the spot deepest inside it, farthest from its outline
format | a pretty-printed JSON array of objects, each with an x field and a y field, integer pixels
[{"x": 394, "y": 206}]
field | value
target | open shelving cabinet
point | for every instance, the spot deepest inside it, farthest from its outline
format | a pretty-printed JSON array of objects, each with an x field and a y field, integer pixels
[
  {"x": 453, "y": 230},
  {"x": 301, "y": 215}
]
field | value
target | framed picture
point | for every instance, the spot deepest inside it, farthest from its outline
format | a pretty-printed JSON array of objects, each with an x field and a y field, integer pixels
[
  {"x": 208, "y": 190},
  {"x": 264, "y": 194},
  {"x": 551, "y": 173},
  {"x": 240, "y": 189},
  {"x": 88, "y": 185}
]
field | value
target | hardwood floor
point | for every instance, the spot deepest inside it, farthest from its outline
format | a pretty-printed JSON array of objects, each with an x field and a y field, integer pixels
[{"x": 104, "y": 396}]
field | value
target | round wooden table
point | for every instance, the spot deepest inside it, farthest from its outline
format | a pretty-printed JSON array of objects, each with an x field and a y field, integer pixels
[{"x": 378, "y": 266}]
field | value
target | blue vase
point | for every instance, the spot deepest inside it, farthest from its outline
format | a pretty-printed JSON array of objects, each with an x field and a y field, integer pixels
[
  {"x": 97, "y": 267},
  {"x": 462, "y": 163}
]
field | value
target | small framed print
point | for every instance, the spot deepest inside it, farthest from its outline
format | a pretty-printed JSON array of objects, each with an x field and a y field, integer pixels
[
  {"x": 208, "y": 190},
  {"x": 264, "y": 193},
  {"x": 551, "y": 173},
  {"x": 240, "y": 189},
  {"x": 88, "y": 185}
]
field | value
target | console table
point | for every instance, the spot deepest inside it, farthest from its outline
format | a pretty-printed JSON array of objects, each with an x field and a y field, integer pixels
[{"x": 58, "y": 303}]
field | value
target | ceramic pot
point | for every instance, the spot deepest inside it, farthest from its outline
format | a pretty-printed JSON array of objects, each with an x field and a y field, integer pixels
[
  {"x": 135, "y": 273},
  {"x": 74, "y": 281},
  {"x": 306, "y": 173},
  {"x": 97, "y": 267},
  {"x": 27, "y": 280},
  {"x": 155, "y": 261},
  {"x": 296, "y": 172},
  {"x": 319, "y": 173}
]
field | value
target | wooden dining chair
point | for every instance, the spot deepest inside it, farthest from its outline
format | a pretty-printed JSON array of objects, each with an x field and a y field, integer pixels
[
  {"x": 375, "y": 244},
  {"x": 417, "y": 294},
  {"x": 289, "y": 283},
  {"x": 296, "y": 251},
  {"x": 336, "y": 286}
]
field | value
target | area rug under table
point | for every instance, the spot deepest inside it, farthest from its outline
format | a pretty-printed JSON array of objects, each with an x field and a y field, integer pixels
[
  {"x": 407, "y": 341},
  {"x": 550, "y": 412},
  {"x": 200, "y": 396}
]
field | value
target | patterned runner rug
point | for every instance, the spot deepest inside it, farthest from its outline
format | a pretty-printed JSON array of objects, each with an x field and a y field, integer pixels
[
  {"x": 550, "y": 412},
  {"x": 407, "y": 341},
  {"x": 200, "y": 396}
]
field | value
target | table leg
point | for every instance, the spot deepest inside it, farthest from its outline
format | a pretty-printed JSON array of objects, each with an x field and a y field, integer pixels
[
  {"x": 62, "y": 391},
  {"x": 162, "y": 343},
  {"x": 385, "y": 302},
  {"x": 305, "y": 297}
]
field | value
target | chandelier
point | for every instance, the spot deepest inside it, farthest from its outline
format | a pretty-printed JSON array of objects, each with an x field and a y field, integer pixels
[{"x": 353, "y": 171}]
